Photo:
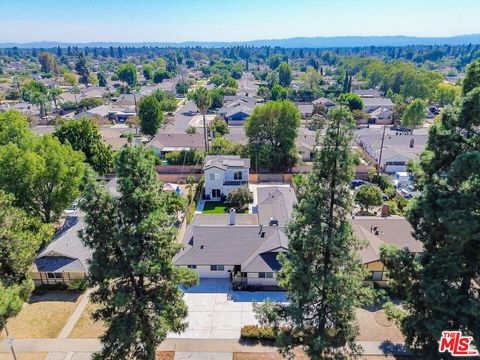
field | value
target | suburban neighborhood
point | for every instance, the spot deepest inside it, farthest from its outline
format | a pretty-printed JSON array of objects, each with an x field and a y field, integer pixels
[{"x": 223, "y": 199}]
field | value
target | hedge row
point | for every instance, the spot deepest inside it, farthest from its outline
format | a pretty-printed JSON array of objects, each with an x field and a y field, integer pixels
[{"x": 255, "y": 332}]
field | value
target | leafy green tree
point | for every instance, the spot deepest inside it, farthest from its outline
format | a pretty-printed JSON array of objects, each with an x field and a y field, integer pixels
[
  {"x": 150, "y": 115},
  {"x": 14, "y": 129},
  {"x": 191, "y": 130},
  {"x": 323, "y": 274},
  {"x": 368, "y": 196},
  {"x": 48, "y": 63},
  {"x": 353, "y": 101},
  {"x": 190, "y": 63},
  {"x": 44, "y": 176},
  {"x": 181, "y": 88},
  {"x": 275, "y": 61},
  {"x": 83, "y": 135},
  {"x": 285, "y": 74},
  {"x": 160, "y": 75},
  {"x": 217, "y": 96},
  {"x": 240, "y": 198},
  {"x": 82, "y": 68},
  {"x": 128, "y": 74},
  {"x": 148, "y": 71},
  {"x": 415, "y": 114},
  {"x": 53, "y": 94},
  {"x": 278, "y": 92},
  {"x": 438, "y": 285},
  {"x": 218, "y": 126},
  {"x": 133, "y": 241},
  {"x": 271, "y": 131},
  {"x": 222, "y": 146},
  {"x": 37, "y": 93},
  {"x": 445, "y": 94},
  {"x": 21, "y": 235},
  {"x": 102, "y": 79},
  {"x": 202, "y": 99}
]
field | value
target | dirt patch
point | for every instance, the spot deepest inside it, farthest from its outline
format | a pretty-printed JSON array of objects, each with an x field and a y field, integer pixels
[
  {"x": 44, "y": 315},
  {"x": 165, "y": 355},
  {"x": 86, "y": 327},
  {"x": 374, "y": 326}
]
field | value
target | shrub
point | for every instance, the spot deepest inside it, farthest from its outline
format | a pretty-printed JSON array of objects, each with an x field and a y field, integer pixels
[
  {"x": 78, "y": 285},
  {"x": 255, "y": 332},
  {"x": 239, "y": 198}
]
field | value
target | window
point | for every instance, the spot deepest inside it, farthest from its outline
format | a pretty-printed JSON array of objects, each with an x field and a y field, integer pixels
[
  {"x": 192, "y": 266},
  {"x": 216, "y": 193},
  {"x": 376, "y": 275},
  {"x": 265, "y": 275},
  {"x": 51, "y": 275},
  {"x": 58, "y": 275},
  {"x": 217, "y": 268},
  {"x": 237, "y": 175},
  {"x": 214, "y": 176}
]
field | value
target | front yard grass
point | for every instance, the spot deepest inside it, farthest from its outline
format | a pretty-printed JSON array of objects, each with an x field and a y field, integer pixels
[
  {"x": 217, "y": 207},
  {"x": 44, "y": 316},
  {"x": 86, "y": 327}
]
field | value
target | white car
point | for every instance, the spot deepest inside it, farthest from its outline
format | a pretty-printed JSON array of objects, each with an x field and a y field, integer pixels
[
  {"x": 409, "y": 191},
  {"x": 72, "y": 208}
]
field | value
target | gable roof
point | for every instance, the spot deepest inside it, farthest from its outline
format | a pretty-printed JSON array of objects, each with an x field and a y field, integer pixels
[
  {"x": 275, "y": 202},
  {"x": 377, "y": 231},
  {"x": 227, "y": 244},
  {"x": 66, "y": 252},
  {"x": 323, "y": 101},
  {"x": 192, "y": 141},
  {"x": 370, "y": 102}
]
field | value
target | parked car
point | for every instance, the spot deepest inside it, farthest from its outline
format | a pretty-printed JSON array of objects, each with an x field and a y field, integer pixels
[
  {"x": 355, "y": 183},
  {"x": 409, "y": 191},
  {"x": 401, "y": 179},
  {"x": 72, "y": 208}
]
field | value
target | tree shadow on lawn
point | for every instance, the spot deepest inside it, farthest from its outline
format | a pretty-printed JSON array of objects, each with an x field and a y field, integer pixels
[{"x": 54, "y": 295}]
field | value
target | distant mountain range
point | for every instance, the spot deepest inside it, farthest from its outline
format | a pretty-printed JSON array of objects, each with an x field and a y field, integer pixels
[{"x": 297, "y": 42}]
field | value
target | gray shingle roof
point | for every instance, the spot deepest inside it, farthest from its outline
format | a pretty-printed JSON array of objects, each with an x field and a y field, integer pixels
[
  {"x": 66, "y": 252},
  {"x": 275, "y": 202},
  {"x": 230, "y": 245}
]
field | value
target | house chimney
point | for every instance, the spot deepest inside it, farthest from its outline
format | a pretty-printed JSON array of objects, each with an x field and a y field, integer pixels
[
  {"x": 232, "y": 216},
  {"x": 412, "y": 142}
]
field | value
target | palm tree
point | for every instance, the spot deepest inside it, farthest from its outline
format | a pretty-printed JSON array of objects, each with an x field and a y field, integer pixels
[{"x": 203, "y": 100}]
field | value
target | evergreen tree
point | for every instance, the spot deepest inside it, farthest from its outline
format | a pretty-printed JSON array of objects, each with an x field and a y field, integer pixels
[
  {"x": 133, "y": 242},
  {"x": 82, "y": 68},
  {"x": 438, "y": 285},
  {"x": 323, "y": 274}
]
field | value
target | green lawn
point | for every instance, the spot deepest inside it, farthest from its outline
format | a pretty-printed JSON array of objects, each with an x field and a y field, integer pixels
[{"x": 217, "y": 207}]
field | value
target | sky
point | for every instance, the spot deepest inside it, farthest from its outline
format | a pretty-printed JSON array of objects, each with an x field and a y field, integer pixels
[{"x": 230, "y": 20}]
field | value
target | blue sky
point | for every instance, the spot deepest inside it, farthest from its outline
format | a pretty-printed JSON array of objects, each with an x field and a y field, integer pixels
[{"x": 230, "y": 20}]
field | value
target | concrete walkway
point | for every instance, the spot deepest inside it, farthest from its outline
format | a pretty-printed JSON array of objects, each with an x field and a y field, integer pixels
[
  {"x": 67, "y": 329},
  {"x": 178, "y": 345}
]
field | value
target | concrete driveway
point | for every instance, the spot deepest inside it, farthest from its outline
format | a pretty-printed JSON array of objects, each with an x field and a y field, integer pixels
[{"x": 216, "y": 311}]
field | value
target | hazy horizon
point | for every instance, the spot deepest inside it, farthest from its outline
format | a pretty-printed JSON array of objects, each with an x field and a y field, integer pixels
[{"x": 127, "y": 21}]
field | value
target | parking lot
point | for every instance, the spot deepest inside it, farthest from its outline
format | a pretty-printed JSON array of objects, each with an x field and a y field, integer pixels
[{"x": 216, "y": 311}]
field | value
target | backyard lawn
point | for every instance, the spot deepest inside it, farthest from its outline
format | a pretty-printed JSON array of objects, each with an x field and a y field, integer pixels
[
  {"x": 44, "y": 315},
  {"x": 217, "y": 207}
]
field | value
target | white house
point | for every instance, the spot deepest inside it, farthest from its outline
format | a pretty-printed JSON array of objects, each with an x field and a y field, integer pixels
[{"x": 224, "y": 173}]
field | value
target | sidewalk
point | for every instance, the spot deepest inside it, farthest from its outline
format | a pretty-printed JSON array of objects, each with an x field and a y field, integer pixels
[{"x": 178, "y": 345}]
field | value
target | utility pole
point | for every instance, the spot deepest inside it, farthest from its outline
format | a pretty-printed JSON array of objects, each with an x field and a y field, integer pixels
[
  {"x": 381, "y": 151},
  {"x": 10, "y": 342}
]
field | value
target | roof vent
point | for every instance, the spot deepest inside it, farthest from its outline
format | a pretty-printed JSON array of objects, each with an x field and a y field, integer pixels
[
  {"x": 202, "y": 246},
  {"x": 262, "y": 234}
]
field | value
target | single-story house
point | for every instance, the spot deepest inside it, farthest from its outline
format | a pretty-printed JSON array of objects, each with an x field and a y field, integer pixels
[
  {"x": 65, "y": 258},
  {"x": 162, "y": 144},
  {"x": 324, "y": 101},
  {"x": 375, "y": 231},
  {"x": 368, "y": 93},
  {"x": 372, "y": 103},
  {"x": 236, "y": 109},
  {"x": 275, "y": 204}
]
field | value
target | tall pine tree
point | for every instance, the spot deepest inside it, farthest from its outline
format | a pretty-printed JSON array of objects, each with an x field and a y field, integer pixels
[
  {"x": 323, "y": 274},
  {"x": 439, "y": 286},
  {"x": 133, "y": 244}
]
